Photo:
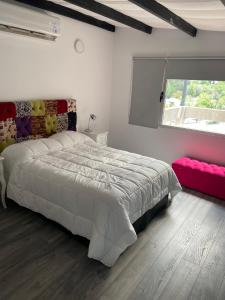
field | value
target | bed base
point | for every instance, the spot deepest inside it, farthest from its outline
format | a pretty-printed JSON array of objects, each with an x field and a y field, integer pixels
[{"x": 143, "y": 221}]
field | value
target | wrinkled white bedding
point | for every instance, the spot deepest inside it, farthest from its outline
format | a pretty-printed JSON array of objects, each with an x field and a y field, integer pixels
[{"x": 94, "y": 191}]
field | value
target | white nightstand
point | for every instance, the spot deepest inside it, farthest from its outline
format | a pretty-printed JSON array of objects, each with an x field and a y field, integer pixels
[
  {"x": 2, "y": 181},
  {"x": 99, "y": 137}
]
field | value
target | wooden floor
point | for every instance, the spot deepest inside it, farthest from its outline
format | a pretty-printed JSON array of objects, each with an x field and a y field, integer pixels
[{"x": 180, "y": 255}]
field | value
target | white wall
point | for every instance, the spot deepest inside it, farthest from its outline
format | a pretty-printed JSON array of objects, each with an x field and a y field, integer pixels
[
  {"x": 32, "y": 68},
  {"x": 36, "y": 69},
  {"x": 162, "y": 143}
]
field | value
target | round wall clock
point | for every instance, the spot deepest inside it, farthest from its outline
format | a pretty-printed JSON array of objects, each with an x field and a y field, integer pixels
[{"x": 79, "y": 46}]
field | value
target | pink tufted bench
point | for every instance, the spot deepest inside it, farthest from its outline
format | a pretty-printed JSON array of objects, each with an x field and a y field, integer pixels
[{"x": 201, "y": 176}]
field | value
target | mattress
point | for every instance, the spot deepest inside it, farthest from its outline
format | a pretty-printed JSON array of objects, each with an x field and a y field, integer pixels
[{"x": 94, "y": 191}]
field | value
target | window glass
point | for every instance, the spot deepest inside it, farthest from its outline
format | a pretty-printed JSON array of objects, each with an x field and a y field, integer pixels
[{"x": 195, "y": 104}]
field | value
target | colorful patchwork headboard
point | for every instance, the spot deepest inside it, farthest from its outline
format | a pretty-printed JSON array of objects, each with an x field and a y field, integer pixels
[{"x": 24, "y": 120}]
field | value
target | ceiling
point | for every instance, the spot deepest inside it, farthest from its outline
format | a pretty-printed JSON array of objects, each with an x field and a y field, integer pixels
[{"x": 202, "y": 14}]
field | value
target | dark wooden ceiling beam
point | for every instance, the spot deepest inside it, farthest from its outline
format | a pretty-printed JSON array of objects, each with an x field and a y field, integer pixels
[
  {"x": 67, "y": 12},
  {"x": 165, "y": 14},
  {"x": 111, "y": 13}
]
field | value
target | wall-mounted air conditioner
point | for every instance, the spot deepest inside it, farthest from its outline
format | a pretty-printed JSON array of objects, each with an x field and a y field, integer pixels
[{"x": 19, "y": 19}]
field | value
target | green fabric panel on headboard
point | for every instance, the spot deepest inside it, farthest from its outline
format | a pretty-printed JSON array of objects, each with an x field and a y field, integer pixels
[{"x": 25, "y": 120}]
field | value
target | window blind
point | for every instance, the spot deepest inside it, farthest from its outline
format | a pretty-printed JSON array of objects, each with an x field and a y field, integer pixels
[
  {"x": 196, "y": 69},
  {"x": 145, "y": 109}
]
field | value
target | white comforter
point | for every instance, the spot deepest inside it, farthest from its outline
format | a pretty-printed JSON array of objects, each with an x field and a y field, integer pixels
[{"x": 94, "y": 191}]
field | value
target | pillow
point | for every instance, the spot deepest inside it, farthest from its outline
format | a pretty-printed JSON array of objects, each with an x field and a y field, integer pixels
[{"x": 70, "y": 138}]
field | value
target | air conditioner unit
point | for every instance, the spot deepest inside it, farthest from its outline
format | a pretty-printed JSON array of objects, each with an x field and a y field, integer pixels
[{"x": 19, "y": 19}]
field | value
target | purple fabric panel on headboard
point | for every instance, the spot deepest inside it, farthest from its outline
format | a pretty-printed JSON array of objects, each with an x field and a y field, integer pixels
[{"x": 23, "y": 126}]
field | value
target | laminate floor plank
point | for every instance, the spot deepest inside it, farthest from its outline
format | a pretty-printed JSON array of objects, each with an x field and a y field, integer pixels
[
  {"x": 153, "y": 282},
  {"x": 200, "y": 246},
  {"x": 221, "y": 292},
  {"x": 180, "y": 255},
  {"x": 210, "y": 279},
  {"x": 181, "y": 283},
  {"x": 158, "y": 234},
  {"x": 50, "y": 267}
]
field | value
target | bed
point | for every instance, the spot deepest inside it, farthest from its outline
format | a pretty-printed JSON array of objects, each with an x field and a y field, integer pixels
[{"x": 94, "y": 191}]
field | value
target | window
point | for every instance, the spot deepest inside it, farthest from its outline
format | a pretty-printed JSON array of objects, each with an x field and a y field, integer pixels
[
  {"x": 195, "y": 104},
  {"x": 193, "y": 88}
]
